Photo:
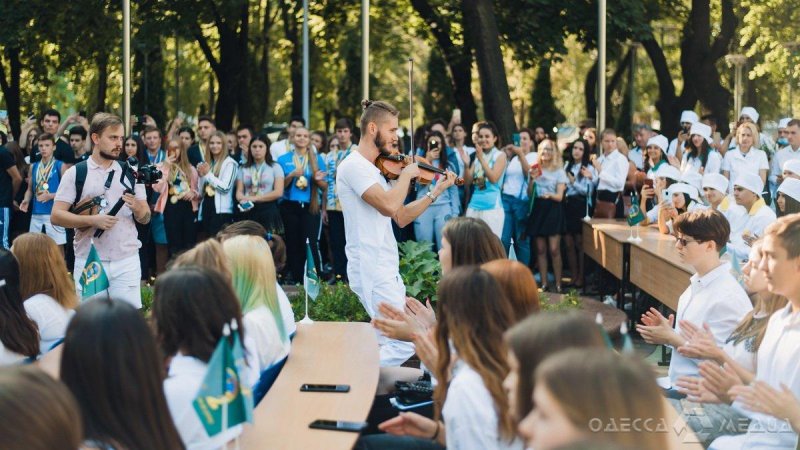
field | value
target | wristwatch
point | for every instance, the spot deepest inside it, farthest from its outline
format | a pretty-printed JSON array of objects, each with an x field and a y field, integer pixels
[{"x": 431, "y": 196}]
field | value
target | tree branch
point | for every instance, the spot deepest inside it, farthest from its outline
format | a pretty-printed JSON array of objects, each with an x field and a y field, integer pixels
[
  {"x": 206, "y": 48},
  {"x": 727, "y": 31}
]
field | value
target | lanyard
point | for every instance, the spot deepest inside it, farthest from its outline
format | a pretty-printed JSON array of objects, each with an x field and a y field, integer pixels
[
  {"x": 43, "y": 174},
  {"x": 300, "y": 161},
  {"x": 255, "y": 178}
]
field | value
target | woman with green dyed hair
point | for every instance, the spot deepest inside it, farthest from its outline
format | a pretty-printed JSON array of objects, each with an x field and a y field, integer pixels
[{"x": 253, "y": 277}]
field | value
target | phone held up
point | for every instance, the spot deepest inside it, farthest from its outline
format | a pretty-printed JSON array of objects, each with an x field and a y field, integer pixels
[
  {"x": 341, "y": 388},
  {"x": 515, "y": 139}
]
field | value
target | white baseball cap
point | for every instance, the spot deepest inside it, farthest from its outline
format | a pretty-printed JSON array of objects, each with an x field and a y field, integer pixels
[
  {"x": 750, "y": 181},
  {"x": 750, "y": 112}
]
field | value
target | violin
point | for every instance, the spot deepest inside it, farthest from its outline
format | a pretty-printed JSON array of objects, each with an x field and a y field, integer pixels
[{"x": 392, "y": 164}]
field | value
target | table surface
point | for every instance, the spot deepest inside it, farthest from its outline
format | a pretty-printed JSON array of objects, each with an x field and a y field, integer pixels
[{"x": 322, "y": 353}]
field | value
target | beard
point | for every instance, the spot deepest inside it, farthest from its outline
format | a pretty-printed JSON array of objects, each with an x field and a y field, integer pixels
[
  {"x": 108, "y": 155},
  {"x": 381, "y": 144}
]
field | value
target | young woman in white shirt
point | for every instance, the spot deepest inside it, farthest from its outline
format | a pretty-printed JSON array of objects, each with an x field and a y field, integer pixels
[
  {"x": 579, "y": 392},
  {"x": 515, "y": 195},
  {"x": 19, "y": 335},
  {"x": 580, "y": 175},
  {"x": 746, "y": 156},
  {"x": 485, "y": 175},
  {"x": 463, "y": 154},
  {"x": 699, "y": 156},
  {"x": 217, "y": 181},
  {"x": 46, "y": 285},
  {"x": 191, "y": 306},
  {"x": 470, "y": 368},
  {"x": 253, "y": 276},
  {"x": 112, "y": 365}
]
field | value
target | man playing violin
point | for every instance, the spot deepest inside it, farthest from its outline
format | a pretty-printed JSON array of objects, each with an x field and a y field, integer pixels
[{"x": 369, "y": 203}]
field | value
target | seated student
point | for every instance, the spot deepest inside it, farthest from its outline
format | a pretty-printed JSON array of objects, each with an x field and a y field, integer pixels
[
  {"x": 19, "y": 334},
  {"x": 699, "y": 157},
  {"x": 37, "y": 412},
  {"x": 656, "y": 156},
  {"x": 682, "y": 198},
  {"x": 47, "y": 286},
  {"x": 472, "y": 404},
  {"x": 188, "y": 331},
  {"x": 791, "y": 169},
  {"x": 532, "y": 340},
  {"x": 738, "y": 354},
  {"x": 714, "y": 296},
  {"x": 278, "y": 249},
  {"x": 747, "y": 192},
  {"x": 778, "y": 359},
  {"x": 578, "y": 388},
  {"x": 253, "y": 277},
  {"x": 208, "y": 254},
  {"x": 113, "y": 367},
  {"x": 652, "y": 197},
  {"x": 788, "y": 200},
  {"x": 517, "y": 283},
  {"x": 715, "y": 187}
]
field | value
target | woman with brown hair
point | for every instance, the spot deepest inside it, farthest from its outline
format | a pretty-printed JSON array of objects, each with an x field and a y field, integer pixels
[
  {"x": 517, "y": 283},
  {"x": 46, "y": 285},
  {"x": 580, "y": 392},
  {"x": 178, "y": 201},
  {"x": 471, "y": 366},
  {"x": 467, "y": 241},
  {"x": 300, "y": 208},
  {"x": 53, "y": 424},
  {"x": 19, "y": 335},
  {"x": 532, "y": 340}
]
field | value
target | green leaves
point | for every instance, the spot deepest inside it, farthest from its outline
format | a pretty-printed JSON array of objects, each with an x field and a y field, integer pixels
[
  {"x": 420, "y": 269},
  {"x": 335, "y": 303}
]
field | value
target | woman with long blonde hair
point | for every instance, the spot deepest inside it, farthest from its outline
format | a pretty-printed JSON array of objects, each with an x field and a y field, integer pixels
[
  {"x": 208, "y": 254},
  {"x": 218, "y": 181},
  {"x": 253, "y": 277},
  {"x": 179, "y": 199},
  {"x": 46, "y": 286}
]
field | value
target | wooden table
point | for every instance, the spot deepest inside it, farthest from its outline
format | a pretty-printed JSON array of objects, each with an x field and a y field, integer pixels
[
  {"x": 605, "y": 241},
  {"x": 322, "y": 353},
  {"x": 656, "y": 268}
]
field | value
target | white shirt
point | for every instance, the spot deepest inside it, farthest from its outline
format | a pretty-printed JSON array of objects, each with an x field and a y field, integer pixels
[
  {"x": 51, "y": 318},
  {"x": 223, "y": 186},
  {"x": 9, "y": 358},
  {"x": 371, "y": 249},
  {"x": 180, "y": 388},
  {"x": 286, "y": 311},
  {"x": 754, "y": 222},
  {"x": 279, "y": 148},
  {"x": 780, "y": 157},
  {"x": 515, "y": 183},
  {"x": 613, "y": 172},
  {"x": 715, "y": 298},
  {"x": 735, "y": 162},
  {"x": 735, "y": 213},
  {"x": 673, "y": 147},
  {"x": 713, "y": 163},
  {"x": 636, "y": 156},
  {"x": 469, "y": 151},
  {"x": 778, "y": 362},
  {"x": 581, "y": 186},
  {"x": 260, "y": 326},
  {"x": 469, "y": 414}
]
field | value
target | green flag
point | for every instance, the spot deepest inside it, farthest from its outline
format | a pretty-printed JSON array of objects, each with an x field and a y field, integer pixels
[
  {"x": 627, "y": 342},
  {"x": 93, "y": 278},
  {"x": 310, "y": 278},
  {"x": 635, "y": 214},
  {"x": 220, "y": 403},
  {"x": 241, "y": 368}
]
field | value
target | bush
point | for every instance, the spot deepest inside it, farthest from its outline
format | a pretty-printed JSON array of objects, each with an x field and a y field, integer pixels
[
  {"x": 571, "y": 300},
  {"x": 335, "y": 303},
  {"x": 147, "y": 299},
  {"x": 420, "y": 269}
]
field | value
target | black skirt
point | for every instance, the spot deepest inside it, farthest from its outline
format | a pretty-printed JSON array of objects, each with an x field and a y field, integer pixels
[
  {"x": 574, "y": 212},
  {"x": 547, "y": 218},
  {"x": 267, "y": 214}
]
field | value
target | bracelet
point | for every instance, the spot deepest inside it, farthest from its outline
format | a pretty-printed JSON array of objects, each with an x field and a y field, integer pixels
[
  {"x": 431, "y": 196},
  {"x": 436, "y": 433}
]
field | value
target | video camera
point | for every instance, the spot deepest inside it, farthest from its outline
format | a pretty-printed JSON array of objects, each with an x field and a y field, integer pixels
[{"x": 147, "y": 174}]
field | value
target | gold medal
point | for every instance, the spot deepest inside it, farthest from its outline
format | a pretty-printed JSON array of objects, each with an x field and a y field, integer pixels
[
  {"x": 172, "y": 190},
  {"x": 302, "y": 182},
  {"x": 46, "y": 187},
  {"x": 173, "y": 199},
  {"x": 210, "y": 191}
]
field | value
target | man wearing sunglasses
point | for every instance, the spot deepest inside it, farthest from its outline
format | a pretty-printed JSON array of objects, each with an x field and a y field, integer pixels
[{"x": 714, "y": 297}]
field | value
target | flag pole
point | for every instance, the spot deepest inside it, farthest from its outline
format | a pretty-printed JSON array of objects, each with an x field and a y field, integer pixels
[
  {"x": 306, "y": 320},
  {"x": 586, "y": 218}
]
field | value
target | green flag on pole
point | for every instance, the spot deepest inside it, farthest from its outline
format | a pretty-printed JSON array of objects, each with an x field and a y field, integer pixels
[
  {"x": 93, "y": 279},
  {"x": 635, "y": 214},
  {"x": 310, "y": 278},
  {"x": 221, "y": 401}
]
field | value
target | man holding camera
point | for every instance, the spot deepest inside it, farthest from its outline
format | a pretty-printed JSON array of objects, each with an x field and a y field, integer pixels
[{"x": 118, "y": 247}]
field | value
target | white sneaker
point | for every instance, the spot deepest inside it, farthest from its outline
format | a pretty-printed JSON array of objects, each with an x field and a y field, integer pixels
[{"x": 610, "y": 300}]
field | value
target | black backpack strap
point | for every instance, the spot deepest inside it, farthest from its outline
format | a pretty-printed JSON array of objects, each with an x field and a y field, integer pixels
[{"x": 81, "y": 170}]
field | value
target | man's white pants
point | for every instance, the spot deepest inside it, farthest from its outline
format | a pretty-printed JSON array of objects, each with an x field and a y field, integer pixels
[
  {"x": 392, "y": 291},
  {"x": 124, "y": 278}
]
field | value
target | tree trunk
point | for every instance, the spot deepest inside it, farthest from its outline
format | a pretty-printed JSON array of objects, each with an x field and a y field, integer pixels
[
  {"x": 481, "y": 30},
  {"x": 289, "y": 16},
  {"x": 590, "y": 92},
  {"x": 243, "y": 99},
  {"x": 10, "y": 84},
  {"x": 543, "y": 111},
  {"x": 102, "y": 82},
  {"x": 457, "y": 58}
]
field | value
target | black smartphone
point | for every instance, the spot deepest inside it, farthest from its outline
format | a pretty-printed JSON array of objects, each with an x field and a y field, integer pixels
[
  {"x": 82, "y": 113},
  {"x": 338, "y": 425},
  {"x": 433, "y": 145},
  {"x": 325, "y": 388}
]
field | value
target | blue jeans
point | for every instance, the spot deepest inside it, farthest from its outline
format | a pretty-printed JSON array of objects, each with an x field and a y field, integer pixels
[
  {"x": 516, "y": 213},
  {"x": 428, "y": 226}
]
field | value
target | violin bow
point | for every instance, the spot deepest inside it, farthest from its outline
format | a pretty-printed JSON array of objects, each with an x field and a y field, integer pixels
[{"x": 411, "y": 107}]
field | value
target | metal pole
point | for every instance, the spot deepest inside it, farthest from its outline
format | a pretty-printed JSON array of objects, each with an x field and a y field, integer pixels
[
  {"x": 364, "y": 49},
  {"x": 601, "y": 67},
  {"x": 738, "y": 83},
  {"x": 305, "y": 62},
  {"x": 177, "y": 75},
  {"x": 126, "y": 64}
]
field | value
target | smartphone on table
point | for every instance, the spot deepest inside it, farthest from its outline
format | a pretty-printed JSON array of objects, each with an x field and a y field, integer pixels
[
  {"x": 338, "y": 425},
  {"x": 342, "y": 388}
]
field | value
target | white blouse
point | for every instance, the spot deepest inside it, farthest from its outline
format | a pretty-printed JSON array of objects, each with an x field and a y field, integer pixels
[{"x": 51, "y": 318}]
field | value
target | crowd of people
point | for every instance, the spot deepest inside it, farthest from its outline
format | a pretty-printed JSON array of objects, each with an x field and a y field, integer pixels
[{"x": 232, "y": 213}]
